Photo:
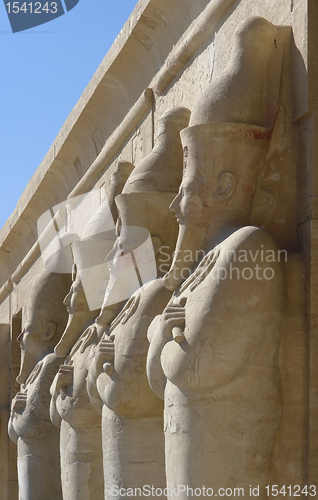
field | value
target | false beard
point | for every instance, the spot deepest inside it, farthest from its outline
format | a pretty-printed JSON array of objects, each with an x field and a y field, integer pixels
[
  {"x": 76, "y": 324},
  {"x": 190, "y": 248}
]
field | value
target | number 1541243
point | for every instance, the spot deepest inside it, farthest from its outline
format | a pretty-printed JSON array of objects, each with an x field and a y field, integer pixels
[{"x": 31, "y": 7}]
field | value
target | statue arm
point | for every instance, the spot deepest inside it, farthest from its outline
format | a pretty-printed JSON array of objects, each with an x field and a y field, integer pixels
[
  {"x": 92, "y": 390},
  {"x": 63, "y": 378},
  {"x": 159, "y": 334},
  {"x": 219, "y": 353},
  {"x": 155, "y": 374},
  {"x": 102, "y": 364},
  {"x": 54, "y": 415},
  {"x": 18, "y": 405},
  {"x": 30, "y": 409},
  {"x": 228, "y": 320},
  {"x": 12, "y": 434},
  {"x": 23, "y": 421}
]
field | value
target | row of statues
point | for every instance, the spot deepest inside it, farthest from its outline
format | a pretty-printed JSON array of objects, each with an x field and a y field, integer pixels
[{"x": 177, "y": 385}]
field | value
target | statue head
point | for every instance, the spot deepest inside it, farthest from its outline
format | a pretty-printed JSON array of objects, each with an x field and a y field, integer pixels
[
  {"x": 225, "y": 147},
  {"x": 79, "y": 315},
  {"x": 222, "y": 162},
  {"x": 161, "y": 170},
  {"x": 90, "y": 274},
  {"x": 75, "y": 300},
  {"x": 255, "y": 33},
  {"x": 45, "y": 320},
  {"x": 146, "y": 229}
]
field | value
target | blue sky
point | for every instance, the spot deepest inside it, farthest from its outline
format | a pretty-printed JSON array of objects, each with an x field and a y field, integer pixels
[{"x": 44, "y": 70}]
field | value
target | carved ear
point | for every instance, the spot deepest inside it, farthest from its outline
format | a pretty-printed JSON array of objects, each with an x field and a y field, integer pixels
[
  {"x": 227, "y": 183},
  {"x": 156, "y": 242},
  {"x": 50, "y": 330}
]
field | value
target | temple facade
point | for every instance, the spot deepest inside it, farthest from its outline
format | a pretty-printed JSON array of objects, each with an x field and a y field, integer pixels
[{"x": 187, "y": 86}]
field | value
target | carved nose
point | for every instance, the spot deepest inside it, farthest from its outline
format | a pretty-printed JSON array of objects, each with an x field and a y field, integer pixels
[
  {"x": 66, "y": 301},
  {"x": 20, "y": 337},
  {"x": 175, "y": 204}
]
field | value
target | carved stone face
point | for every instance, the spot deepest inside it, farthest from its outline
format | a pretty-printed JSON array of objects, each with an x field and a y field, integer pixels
[
  {"x": 75, "y": 301},
  {"x": 221, "y": 165},
  {"x": 33, "y": 339},
  {"x": 123, "y": 277},
  {"x": 79, "y": 317},
  {"x": 191, "y": 205},
  {"x": 131, "y": 264},
  {"x": 32, "y": 335}
]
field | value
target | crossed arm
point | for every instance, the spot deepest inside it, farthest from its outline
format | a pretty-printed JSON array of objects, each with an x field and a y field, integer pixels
[
  {"x": 159, "y": 334},
  {"x": 102, "y": 363}
]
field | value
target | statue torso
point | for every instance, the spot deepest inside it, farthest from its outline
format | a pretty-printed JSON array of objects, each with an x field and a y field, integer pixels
[{"x": 127, "y": 391}]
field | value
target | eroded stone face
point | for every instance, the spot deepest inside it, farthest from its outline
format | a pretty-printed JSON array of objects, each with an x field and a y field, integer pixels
[{"x": 75, "y": 301}]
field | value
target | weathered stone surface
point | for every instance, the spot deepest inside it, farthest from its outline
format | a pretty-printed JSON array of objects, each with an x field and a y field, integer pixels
[
  {"x": 169, "y": 54},
  {"x": 117, "y": 382},
  {"x": 29, "y": 425}
]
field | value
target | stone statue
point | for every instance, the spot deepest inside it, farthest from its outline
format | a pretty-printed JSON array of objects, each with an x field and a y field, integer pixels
[
  {"x": 29, "y": 425},
  {"x": 133, "y": 445},
  {"x": 70, "y": 408},
  {"x": 213, "y": 352},
  {"x": 80, "y": 443}
]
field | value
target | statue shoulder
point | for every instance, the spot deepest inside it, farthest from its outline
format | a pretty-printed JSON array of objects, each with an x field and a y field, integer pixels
[
  {"x": 252, "y": 236},
  {"x": 251, "y": 245},
  {"x": 251, "y": 258},
  {"x": 51, "y": 364},
  {"x": 247, "y": 258}
]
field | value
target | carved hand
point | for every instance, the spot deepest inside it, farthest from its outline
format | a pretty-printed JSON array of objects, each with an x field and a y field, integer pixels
[
  {"x": 172, "y": 321},
  {"x": 105, "y": 353},
  {"x": 19, "y": 402},
  {"x": 64, "y": 376},
  {"x": 103, "y": 360}
]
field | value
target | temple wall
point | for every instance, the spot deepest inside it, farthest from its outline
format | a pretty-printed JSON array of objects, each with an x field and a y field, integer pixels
[{"x": 175, "y": 48}]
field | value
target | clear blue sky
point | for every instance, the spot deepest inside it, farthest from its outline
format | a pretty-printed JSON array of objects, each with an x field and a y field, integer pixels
[{"x": 44, "y": 70}]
